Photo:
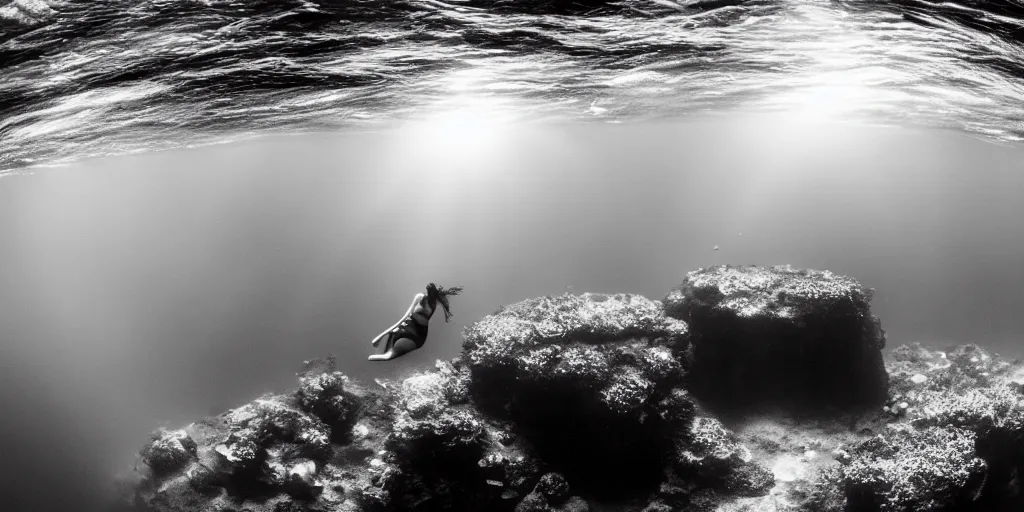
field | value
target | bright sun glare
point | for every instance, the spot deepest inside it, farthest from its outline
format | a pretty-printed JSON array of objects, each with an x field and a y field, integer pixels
[{"x": 466, "y": 130}]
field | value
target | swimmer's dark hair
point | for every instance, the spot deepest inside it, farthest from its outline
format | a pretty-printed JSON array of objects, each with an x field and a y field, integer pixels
[{"x": 440, "y": 294}]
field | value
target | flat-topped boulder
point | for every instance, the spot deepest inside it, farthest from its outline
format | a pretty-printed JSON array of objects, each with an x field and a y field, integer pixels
[
  {"x": 780, "y": 336},
  {"x": 591, "y": 380}
]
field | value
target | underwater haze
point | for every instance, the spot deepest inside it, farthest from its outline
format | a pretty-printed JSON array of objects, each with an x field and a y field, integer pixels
[
  {"x": 156, "y": 289},
  {"x": 196, "y": 196}
]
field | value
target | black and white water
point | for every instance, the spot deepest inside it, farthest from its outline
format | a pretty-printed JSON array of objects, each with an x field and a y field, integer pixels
[
  {"x": 149, "y": 275},
  {"x": 96, "y": 77}
]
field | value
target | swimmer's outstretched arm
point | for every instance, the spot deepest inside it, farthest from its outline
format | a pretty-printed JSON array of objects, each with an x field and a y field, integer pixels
[{"x": 415, "y": 300}]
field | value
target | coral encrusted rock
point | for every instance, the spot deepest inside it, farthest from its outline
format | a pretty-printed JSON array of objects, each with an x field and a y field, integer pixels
[
  {"x": 304, "y": 451},
  {"x": 592, "y": 381},
  {"x": 970, "y": 390},
  {"x": 780, "y": 335},
  {"x": 168, "y": 451},
  {"x": 954, "y": 439},
  {"x": 442, "y": 454},
  {"x": 323, "y": 394},
  {"x": 712, "y": 457}
]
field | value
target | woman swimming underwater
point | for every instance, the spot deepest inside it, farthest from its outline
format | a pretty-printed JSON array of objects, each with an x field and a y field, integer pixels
[{"x": 410, "y": 332}]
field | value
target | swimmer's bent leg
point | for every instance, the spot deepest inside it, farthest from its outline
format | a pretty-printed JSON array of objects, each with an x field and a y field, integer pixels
[{"x": 399, "y": 348}]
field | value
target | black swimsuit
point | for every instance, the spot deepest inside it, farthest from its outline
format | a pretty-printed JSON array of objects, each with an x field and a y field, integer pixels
[{"x": 411, "y": 329}]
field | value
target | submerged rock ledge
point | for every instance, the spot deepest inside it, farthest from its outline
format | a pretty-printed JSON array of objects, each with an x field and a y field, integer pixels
[{"x": 746, "y": 389}]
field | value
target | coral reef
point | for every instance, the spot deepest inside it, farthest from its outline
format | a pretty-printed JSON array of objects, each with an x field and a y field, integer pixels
[
  {"x": 713, "y": 457},
  {"x": 275, "y": 453},
  {"x": 910, "y": 469},
  {"x": 781, "y": 336},
  {"x": 324, "y": 396},
  {"x": 441, "y": 454},
  {"x": 978, "y": 394},
  {"x": 591, "y": 381},
  {"x": 588, "y": 402}
]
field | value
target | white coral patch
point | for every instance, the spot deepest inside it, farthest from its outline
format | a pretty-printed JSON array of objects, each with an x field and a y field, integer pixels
[
  {"x": 789, "y": 469},
  {"x": 314, "y": 437},
  {"x": 303, "y": 469},
  {"x": 422, "y": 393},
  {"x": 360, "y": 430},
  {"x": 629, "y": 389},
  {"x": 744, "y": 453},
  {"x": 661, "y": 353},
  {"x": 172, "y": 440},
  {"x": 1017, "y": 376},
  {"x": 228, "y": 453}
]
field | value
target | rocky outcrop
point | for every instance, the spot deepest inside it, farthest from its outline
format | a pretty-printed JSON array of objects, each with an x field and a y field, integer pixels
[
  {"x": 168, "y": 451},
  {"x": 592, "y": 381},
  {"x": 780, "y": 336},
  {"x": 300, "y": 451},
  {"x": 914, "y": 469},
  {"x": 712, "y": 457},
  {"x": 441, "y": 454},
  {"x": 563, "y": 403},
  {"x": 976, "y": 398},
  {"x": 950, "y": 439},
  {"x": 552, "y": 494}
]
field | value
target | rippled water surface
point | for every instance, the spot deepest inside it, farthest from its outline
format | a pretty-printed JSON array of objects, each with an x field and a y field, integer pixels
[{"x": 93, "y": 77}]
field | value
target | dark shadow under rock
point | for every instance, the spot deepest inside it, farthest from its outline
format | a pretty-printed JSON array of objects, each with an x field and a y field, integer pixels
[{"x": 775, "y": 335}]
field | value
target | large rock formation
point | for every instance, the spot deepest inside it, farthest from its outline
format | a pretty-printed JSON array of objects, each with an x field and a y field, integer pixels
[
  {"x": 782, "y": 336},
  {"x": 590, "y": 380},
  {"x": 563, "y": 403}
]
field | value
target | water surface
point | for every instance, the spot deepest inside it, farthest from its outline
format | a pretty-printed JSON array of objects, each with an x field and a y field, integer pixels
[{"x": 95, "y": 77}]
